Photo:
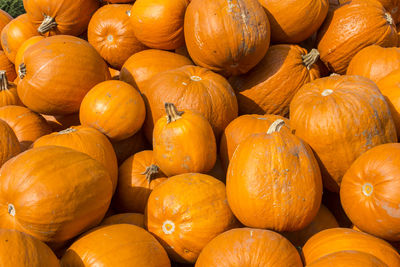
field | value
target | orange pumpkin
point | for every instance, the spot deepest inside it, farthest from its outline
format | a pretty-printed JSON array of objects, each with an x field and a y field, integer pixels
[
  {"x": 27, "y": 125},
  {"x": 273, "y": 181},
  {"x": 19, "y": 57},
  {"x": 129, "y": 146},
  {"x": 114, "y": 108},
  {"x": 140, "y": 67},
  {"x": 137, "y": 177},
  {"x": 125, "y": 218},
  {"x": 229, "y": 37},
  {"x": 111, "y": 34},
  {"x": 86, "y": 140},
  {"x": 7, "y": 66},
  {"x": 69, "y": 17},
  {"x": 8, "y": 91},
  {"x": 348, "y": 258},
  {"x": 321, "y": 113},
  {"x": 62, "y": 122},
  {"x": 341, "y": 36},
  {"x": 58, "y": 195},
  {"x": 5, "y": 18},
  {"x": 9, "y": 145},
  {"x": 183, "y": 142},
  {"x": 271, "y": 85},
  {"x": 186, "y": 212},
  {"x": 249, "y": 247},
  {"x": 134, "y": 247},
  {"x": 343, "y": 239},
  {"x": 294, "y": 21}
]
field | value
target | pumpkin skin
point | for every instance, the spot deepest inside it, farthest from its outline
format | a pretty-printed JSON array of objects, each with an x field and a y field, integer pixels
[
  {"x": 193, "y": 88},
  {"x": 269, "y": 170},
  {"x": 26, "y": 124},
  {"x": 321, "y": 111},
  {"x": 8, "y": 91},
  {"x": 140, "y": 67},
  {"x": 111, "y": 34},
  {"x": 74, "y": 185},
  {"x": 19, "y": 57},
  {"x": 5, "y": 18},
  {"x": 271, "y": 85},
  {"x": 132, "y": 145},
  {"x": 7, "y": 66},
  {"x": 70, "y": 17},
  {"x": 114, "y": 108},
  {"x": 183, "y": 142},
  {"x": 135, "y": 246},
  {"x": 341, "y": 37},
  {"x": 9, "y": 145},
  {"x": 159, "y": 23},
  {"x": 86, "y": 140},
  {"x": 249, "y": 247},
  {"x": 22, "y": 250},
  {"x": 125, "y": 218},
  {"x": 246, "y": 40},
  {"x": 348, "y": 258},
  {"x": 186, "y": 212},
  {"x": 79, "y": 67},
  {"x": 344, "y": 239},
  {"x": 63, "y": 122},
  {"x": 304, "y": 19},
  {"x": 138, "y": 176}
]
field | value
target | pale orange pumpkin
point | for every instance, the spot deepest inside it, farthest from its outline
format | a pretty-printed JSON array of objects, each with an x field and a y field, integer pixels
[
  {"x": 125, "y": 218},
  {"x": 8, "y": 91},
  {"x": 7, "y": 66},
  {"x": 9, "y": 145}
]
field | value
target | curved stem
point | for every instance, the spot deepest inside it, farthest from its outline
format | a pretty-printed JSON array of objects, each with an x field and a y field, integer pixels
[
  {"x": 22, "y": 71},
  {"x": 150, "y": 172},
  {"x": 3, "y": 80},
  {"x": 172, "y": 113},
  {"x": 276, "y": 126},
  {"x": 310, "y": 58},
  {"x": 48, "y": 24}
]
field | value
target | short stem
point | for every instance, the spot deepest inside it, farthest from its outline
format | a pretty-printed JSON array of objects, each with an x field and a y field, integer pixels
[
  {"x": 48, "y": 24},
  {"x": 172, "y": 113},
  {"x": 389, "y": 18},
  {"x": 3, "y": 80},
  {"x": 276, "y": 126},
  {"x": 22, "y": 71},
  {"x": 150, "y": 172},
  {"x": 310, "y": 58},
  {"x": 66, "y": 131}
]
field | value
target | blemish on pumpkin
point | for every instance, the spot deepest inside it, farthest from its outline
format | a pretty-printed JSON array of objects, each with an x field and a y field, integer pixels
[
  {"x": 195, "y": 78},
  {"x": 326, "y": 92},
  {"x": 168, "y": 227},
  {"x": 11, "y": 209},
  {"x": 110, "y": 38},
  {"x": 367, "y": 189}
]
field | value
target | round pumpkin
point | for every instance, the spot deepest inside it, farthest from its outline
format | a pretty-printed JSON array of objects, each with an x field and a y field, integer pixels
[
  {"x": 129, "y": 146},
  {"x": 111, "y": 34},
  {"x": 69, "y": 17},
  {"x": 273, "y": 181},
  {"x": 62, "y": 122},
  {"x": 249, "y": 247},
  {"x": 348, "y": 258},
  {"x": 116, "y": 245},
  {"x": 137, "y": 177},
  {"x": 8, "y": 91},
  {"x": 183, "y": 142},
  {"x": 374, "y": 25},
  {"x": 229, "y": 37},
  {"x": 194, "y": 88},
  {"x": 27, "y": 125},
  {"x": 341, "y": 117},
  {"x": 294, "y": 21},
  {"x": 5, "y": 18},
  {"x": 19, "y": 57},
  {"x": 58, "y": 195},
  {"x": 9, "y": 145},
  {"x": 125, "y": 218},
  {"x": 114, "y": 108},
  {"x": 7, "y": 66},
  {"x": 86, "y": 140},
  {"x": 140, "y": 67}
]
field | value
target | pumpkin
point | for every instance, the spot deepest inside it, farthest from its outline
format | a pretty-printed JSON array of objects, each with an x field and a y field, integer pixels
[
  {"x": 53, "y": 202},
  {"x": 114, "y": 108},
  {"x": 125, "y": 218},
  {"x": 374, "y": 25},
  {"x": 375, "y": 62},
  {"x": 137, "y": 177},
  {"x": 62, "y": 122},
  {"x": 294, "y": 21},
  {"x": 14, "y": 34},
  {"x": 143, "y": 65},
  {"x": 321, "y": 113},
  {"x": 241, "y": 128},
  {"x": 5, "y": 18},
  {"x": 273, "y": 181},
  {"x": 159, "y": 23},
  {"x": 186, "y": 212},
  {"x": 229, "y": 37},
  {"x": 135, "y": 246},
  {"x": 343, "y": 239},
  {"x": 119, "y": 1},
  {"x": 9, "y": 145},
  {"x": 369, "y": 192},
  {"x": 86, "y": 140},
  {"x": 183, "y": 142},
  {"x": 79, "y": 67},
  {"x": 111, "y": 34},
  {"x": 194, "y": 88},
  {"x": 26, "y": 124},
  {"x": 19, "y": 57},
  {"x": 129, "y": 146},
  {"x": 249, "y": 247},
  {"x": 271, "y": 85},
  {"x": 7, "y": 66},
  {"x": 8, "y": 91},
  {"x": 70, "y": 17},
  {"x": 348, "y": 258},
  {"x": 22, "y": 250}
]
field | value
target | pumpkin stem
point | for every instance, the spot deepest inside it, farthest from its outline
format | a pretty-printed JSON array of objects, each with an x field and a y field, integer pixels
[
  {"x": 172, "y": 113},
  {"x": 128, "y": 12},
  {"x": 11, "y": 209},
  {"x": 389, "y": 18},
  {"x": 334, "y": 74},
  {"x": 48, "y": 24},
  {"x": 150, "y": 172},
  {"x": 66, "y": 131},
  {"x": 22, "y": 70},
  {"x": 3, "y": 81},
  {"x": 310, "y": 58},
  {"x": 276, "y": 126}
]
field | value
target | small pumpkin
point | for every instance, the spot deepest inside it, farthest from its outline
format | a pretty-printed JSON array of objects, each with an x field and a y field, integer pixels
[
  {"x": 9, "y": 145},
  {"x": 62, "y": 122},
  {"x": 125, "y": 218},
  {"x": 348, "y": 258},
  {"x": 8, "y": 91},
  {"x": 5, "y": 18},
  {"x": 129, "y": 146},
  {"x": 19, "y": 57}
]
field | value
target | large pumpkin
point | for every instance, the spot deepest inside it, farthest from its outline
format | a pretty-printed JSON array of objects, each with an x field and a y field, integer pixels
[
  {"x": 186, "y": 212},
  {"x": 111, "y": 34},
  {"x": 229, "y": 37},
  {"x": 5, "y": 18},
  {"x": 348, "y": 258},
  {"x": 249, "y": 247},
  {"x": 58, "y": 195},
  {"x": 8, "y": 91},
  {"x": 341, "y": 117},
  {"x": 9, "y": 145},
  {"x": 19, "y": 57},
  {"x": 271, "y": 85},
  {"x": 341, "y": 36},
  {"x": 73, "y": 67},
  {"x": 129, "y": 146}
]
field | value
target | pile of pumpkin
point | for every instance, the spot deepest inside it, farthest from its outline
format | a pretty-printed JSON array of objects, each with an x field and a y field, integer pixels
[{"x": 178, "y": 132}]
